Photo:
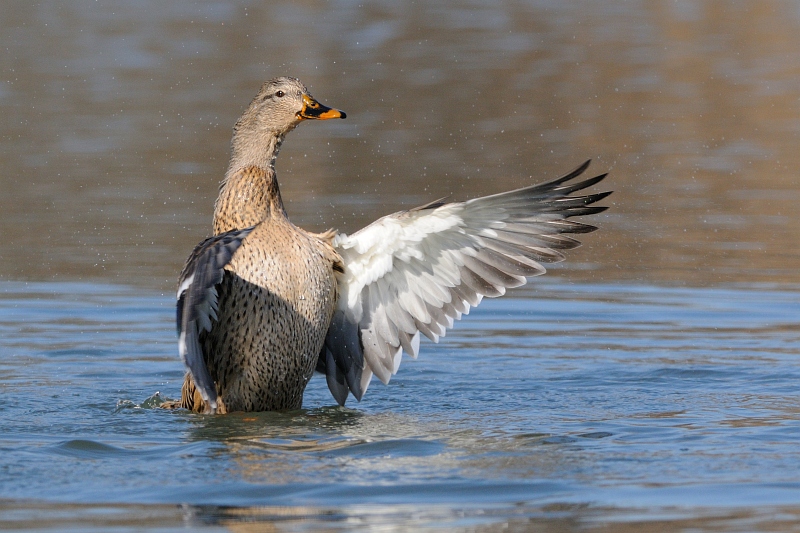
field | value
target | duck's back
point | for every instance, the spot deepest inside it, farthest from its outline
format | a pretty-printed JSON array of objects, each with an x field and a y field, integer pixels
[{"x": 275, "y": 304}]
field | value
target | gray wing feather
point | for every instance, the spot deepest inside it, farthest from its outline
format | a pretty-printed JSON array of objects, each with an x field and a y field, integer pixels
[
  {"x": 197, "y": 303},
  {"x": 342, "y": 358}
]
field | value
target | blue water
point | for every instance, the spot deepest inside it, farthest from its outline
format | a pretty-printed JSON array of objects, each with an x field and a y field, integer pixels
[
  {"x": 662, "y": 397},
  {"x": 593, "y": 402}
]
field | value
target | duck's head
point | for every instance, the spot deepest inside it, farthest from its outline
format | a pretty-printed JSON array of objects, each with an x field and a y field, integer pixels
[{"x": 280, "y": 105}]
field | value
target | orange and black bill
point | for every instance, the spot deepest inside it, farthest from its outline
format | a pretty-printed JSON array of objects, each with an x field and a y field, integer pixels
[{"x": 314, "y": 110}]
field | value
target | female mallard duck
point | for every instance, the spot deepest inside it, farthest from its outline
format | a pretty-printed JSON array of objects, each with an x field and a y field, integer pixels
[{"x": 263, "y": 303}]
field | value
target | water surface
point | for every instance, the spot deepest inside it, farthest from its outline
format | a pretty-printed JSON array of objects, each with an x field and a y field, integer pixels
[
  {"x": 648, "y": 382},
  {"x": 593, "y": 399}
]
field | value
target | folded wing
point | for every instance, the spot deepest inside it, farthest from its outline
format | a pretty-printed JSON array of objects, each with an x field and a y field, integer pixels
[
  {"x": 197, "y": 303},
  {"x": 417, "y": 271}
]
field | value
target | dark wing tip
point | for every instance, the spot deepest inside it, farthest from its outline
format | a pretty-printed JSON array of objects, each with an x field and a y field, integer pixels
[{"x": 572, "y": 174}]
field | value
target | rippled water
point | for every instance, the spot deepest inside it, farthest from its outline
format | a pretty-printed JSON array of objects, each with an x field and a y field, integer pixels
[
  {"x": 649, "y": 382},
  {"x": 568, "y": 402}
]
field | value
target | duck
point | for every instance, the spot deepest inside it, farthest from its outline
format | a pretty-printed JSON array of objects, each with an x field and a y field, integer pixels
[{"x": 263, "y": 304}]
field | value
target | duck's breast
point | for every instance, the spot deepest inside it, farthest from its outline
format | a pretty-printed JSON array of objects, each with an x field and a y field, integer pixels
[{"x": 275, "y": 305}]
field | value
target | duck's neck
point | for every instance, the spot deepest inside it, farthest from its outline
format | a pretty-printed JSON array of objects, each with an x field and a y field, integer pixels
[{"x": 249, "y": 194}]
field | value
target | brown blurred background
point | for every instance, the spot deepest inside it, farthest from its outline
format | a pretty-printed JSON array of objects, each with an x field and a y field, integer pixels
[{"x": 116, "y": 122}]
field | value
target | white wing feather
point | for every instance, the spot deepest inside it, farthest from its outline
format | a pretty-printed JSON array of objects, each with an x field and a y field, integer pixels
[{"x": 417, "y": 271}]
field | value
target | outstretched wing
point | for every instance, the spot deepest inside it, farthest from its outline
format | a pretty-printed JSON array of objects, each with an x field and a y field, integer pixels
[
  {"x": 197, "y": 303},
  {"x": 417, "y": 271}
]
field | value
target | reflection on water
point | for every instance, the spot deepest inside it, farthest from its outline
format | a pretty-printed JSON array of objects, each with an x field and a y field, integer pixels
[
  {"x": 117, "y": 119},
  {"x": 570, "y": 405},
  {"x": 547, "y": 518}
]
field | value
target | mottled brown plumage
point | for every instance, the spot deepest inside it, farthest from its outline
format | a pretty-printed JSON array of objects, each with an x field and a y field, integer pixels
[
  {"x": 278, "y": 292},
  {"x": 275, "y": 304}
]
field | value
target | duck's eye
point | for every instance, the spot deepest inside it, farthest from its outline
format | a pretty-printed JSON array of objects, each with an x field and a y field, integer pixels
[{"x": 280, "y": 94}]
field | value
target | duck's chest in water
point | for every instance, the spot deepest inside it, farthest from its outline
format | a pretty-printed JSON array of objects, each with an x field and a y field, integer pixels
[{"x": 275, "y": 305}]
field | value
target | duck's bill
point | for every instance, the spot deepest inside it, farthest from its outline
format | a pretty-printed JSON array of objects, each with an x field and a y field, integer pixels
[{"x": 314, "y": 110}]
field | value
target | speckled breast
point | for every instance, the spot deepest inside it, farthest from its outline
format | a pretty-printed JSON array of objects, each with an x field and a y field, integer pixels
[{"x": 275, "y": 305}]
